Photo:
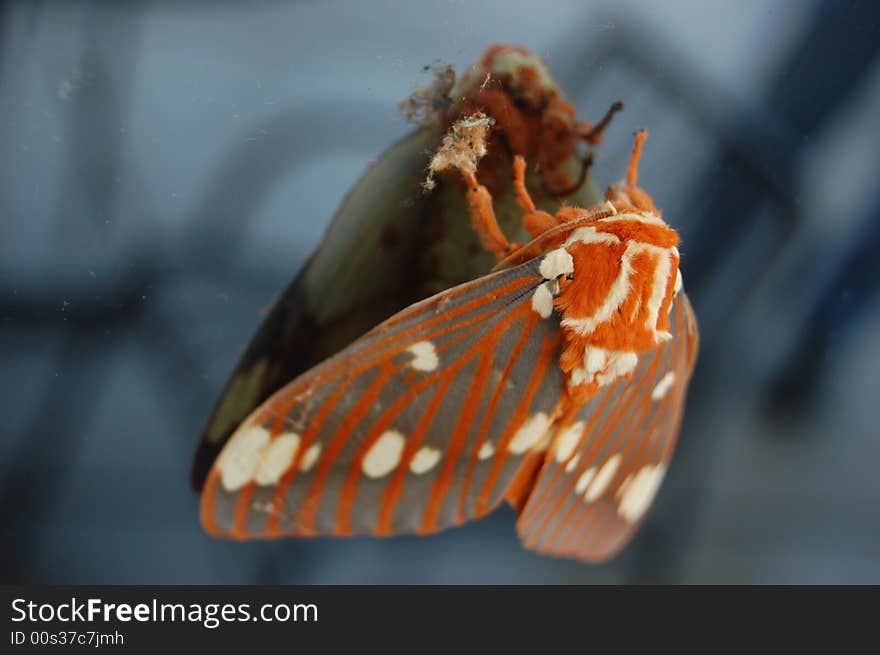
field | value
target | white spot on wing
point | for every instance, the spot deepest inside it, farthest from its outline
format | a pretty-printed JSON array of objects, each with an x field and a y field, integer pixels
[
  {"x": 384, "y": 455},
  {"x": 572, "y": 463},
  {"x": 602, "y": 479},
  {"x": 679, "y": 282},
  {"x": 567, "y": 440},
  {"x": 239, "y": 460},
  {"x": 529, "y": 433},
  {"x": 542, "y": 300},
  {"x": 310, "y": 457},
  {"x": 277, "y": 457},
  {"x": 663, "y": 386},
  {"x": 584, "y": 480},
  {"x": 424, "y": 356},
  {"x": 555, "y": 263},
  {"x": 486, "y": 450},
  {"x": 640, "y": 492},
  {"x": 424, "y": 460}
]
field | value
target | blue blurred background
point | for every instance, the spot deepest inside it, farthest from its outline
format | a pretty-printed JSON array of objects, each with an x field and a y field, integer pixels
[{"x": 168, "y": 167}]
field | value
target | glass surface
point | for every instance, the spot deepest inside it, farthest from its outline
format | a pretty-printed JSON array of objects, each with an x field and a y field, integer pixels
[{"x": 169, "y": 166}]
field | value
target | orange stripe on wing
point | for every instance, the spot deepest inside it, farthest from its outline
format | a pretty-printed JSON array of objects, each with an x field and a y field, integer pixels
[
  {"x": 308, "y": 438},
  {"x": 583, "y": 532},
  {"x": 448, "y": 296},
  {"x": 620, "y": 406},
  {"x": 456, "y": 445},
  {"x": 335, "y": 445},
  {"x": 349, "y": 490},
  {"x": 601, "y": 441},
  {"x": 548, "y": 354},
  {"x": 570, "y": 521},
  {"x": 558, "y": 473},
  {"x": 393, "y": 492},
  {"x": 384, "y": 422},
  {"x": 490, "y": 414},
  {"x": 574, "y": 541},
  {"x": 443, "y": 316},
  {"x": 486, "y": 348},
  {"x": 376, "y": 353},
  {"x": 353, "y": 365},
  {"x": 208, "y": 506},
  {"x": 242, "y": 508},
  {"x": 595, "y": 526}
]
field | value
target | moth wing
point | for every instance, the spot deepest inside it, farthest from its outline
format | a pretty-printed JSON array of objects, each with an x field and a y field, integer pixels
[
  {"x": 429, "y": 420},
  {"x": 371, "y": 281},
  {"x": 609, "y": 456}
]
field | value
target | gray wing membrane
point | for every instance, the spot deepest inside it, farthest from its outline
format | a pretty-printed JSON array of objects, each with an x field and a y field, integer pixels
[{"x": 421, "y": 424}]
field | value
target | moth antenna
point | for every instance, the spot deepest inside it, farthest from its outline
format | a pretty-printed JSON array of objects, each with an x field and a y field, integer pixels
[
  {"x": 632, "y": 173},
  {"x": 593, "y": 134}
]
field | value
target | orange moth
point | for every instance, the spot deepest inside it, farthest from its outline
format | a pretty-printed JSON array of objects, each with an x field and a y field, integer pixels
[{"x": 555, "y": 384}]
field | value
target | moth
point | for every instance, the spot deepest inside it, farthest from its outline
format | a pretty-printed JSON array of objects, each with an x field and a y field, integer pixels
[{"x": 555, "y": 383}]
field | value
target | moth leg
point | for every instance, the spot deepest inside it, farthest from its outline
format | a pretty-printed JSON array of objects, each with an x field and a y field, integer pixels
[
  {"x": 483, "y": 218},
  {"x": 519, "y": 185},
  {"x": 535, "y": 221}
]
